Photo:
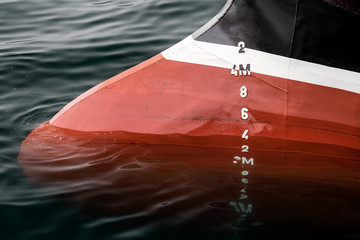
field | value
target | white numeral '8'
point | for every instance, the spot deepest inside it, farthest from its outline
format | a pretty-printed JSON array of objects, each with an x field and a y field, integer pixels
[{"x": 243, "y": 92}]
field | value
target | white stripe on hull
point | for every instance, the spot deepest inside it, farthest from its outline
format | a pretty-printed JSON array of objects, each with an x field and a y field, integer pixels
[{"x": 223, "y": 56}]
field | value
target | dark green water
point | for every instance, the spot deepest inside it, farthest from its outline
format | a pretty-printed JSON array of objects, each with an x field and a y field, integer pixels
[{"x": 51, "y": 52}]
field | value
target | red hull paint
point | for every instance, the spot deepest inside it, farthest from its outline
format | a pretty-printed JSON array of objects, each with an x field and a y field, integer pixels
[
  {"x": 169, "y": 97},
  {"x": 295, "y": 127},
  {"x": 167, "y": 130},
  {"x": 168, "y": 102}
]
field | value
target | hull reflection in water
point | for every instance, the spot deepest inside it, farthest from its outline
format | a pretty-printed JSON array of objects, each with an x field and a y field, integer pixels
[{"x": 200, "y": 189}]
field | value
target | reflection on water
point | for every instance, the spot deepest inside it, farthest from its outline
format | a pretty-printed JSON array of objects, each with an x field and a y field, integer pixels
[{"x": 196, "y": 191}]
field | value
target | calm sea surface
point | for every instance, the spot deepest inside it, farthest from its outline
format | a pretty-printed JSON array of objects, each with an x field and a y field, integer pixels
[{"x": 51, "y": 52}]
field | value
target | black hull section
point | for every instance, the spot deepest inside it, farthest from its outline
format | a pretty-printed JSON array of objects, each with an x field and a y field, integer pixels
[{"x": 311, "y": 30}]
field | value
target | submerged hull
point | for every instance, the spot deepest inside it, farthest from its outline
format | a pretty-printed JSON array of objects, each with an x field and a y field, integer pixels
[
  {"x": 201, "y": 189},
  {"x": 266, "y": 90}
]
